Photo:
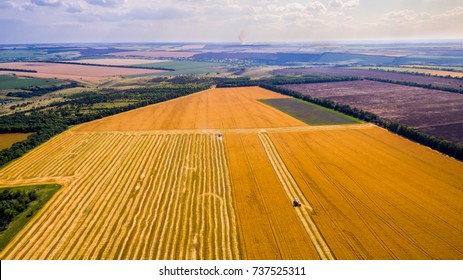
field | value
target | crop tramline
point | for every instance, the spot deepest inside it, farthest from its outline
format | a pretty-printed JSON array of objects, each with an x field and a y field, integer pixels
[
  {"x": 143, "y": 181},
  {"x": 133, "y": 190},
  {"x": 149, "y": 230},
  {"x": 95, "y": 180},
  {"x": 83, "y": 204},
  {"x": 131, "y": 196},
  {"x": 47, "y": 221},
  {"x": 292, "y": 190},
  {"x": 97, "y": 217}
]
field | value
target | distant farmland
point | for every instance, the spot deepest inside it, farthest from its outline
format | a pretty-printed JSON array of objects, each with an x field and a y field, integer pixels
[
  {"x": 116, "y": 61},
  {"x": 186, "y": 67},
  {"x": 435, "y": 112},
  {"x": 70, "y": 71},
  {"x": 362, "y": 73},
  {"x": 156, "y": 54},
  {"x": 14, "y": 82}
]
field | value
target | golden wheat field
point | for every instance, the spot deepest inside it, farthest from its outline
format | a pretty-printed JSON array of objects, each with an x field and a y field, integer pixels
[{"x": 159, "y": 183}]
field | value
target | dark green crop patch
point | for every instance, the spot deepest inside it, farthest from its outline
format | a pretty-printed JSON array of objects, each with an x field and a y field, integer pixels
[{"x": 309, "y": 113}]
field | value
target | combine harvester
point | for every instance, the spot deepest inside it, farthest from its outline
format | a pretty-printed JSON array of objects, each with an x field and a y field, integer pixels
[{"x": 296, "y": 203}]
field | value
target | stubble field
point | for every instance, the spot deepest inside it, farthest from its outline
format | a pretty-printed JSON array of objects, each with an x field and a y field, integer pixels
[
  {"x": 72, "y": 71},
  {"x": 154, "y": 184},
  {"x": 8, "y": 139}
]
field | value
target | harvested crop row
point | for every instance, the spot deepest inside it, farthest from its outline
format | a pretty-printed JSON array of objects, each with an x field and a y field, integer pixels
[
  {"x": 135, "y": 196},
  {"x": 292, "y": 190},
  {"x": 269, "y": 227},
  {"x": 376, "y": 195}
]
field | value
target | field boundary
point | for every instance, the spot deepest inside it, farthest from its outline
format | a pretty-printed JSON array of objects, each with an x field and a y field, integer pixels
[
  {"x": 292, "y": 190},
  {"x": 234, "y": 130}
]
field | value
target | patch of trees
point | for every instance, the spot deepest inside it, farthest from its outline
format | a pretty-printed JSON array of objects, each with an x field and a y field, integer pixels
[
  {"x": 447, "y": 147},
  {"x": 18, "y": 70},
  {"x": 138, "y": 96},
  {"x": 38, "y": 91},
  {"x": 413, "y": 84},
  {"x": 12, "y": 203},
  {"x": 186, "y": 79},
  {"x": 44, "y": 124},
  {"x": 237, "y": 82},
  {"x": 13, "y": 107}
]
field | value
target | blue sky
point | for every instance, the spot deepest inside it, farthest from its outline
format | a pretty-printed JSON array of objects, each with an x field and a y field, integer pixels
[{"x": 55, "y": 21}]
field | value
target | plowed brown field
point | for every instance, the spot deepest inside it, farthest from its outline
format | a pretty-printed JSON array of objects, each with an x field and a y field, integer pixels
[{"x": 158, "y": 183}]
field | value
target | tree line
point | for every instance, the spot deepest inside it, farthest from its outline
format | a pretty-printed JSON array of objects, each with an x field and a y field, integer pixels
[
  {"x": 283, "y": 80},
  {"x": 414, "y": 84},
  {"x": 18, "y": 70},
  {"x": 423, "y": 74},
  {"x": 29, "y": 92}
]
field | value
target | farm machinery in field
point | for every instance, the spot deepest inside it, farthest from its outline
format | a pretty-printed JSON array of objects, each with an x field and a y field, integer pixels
[{"x": 296, "y": 203}]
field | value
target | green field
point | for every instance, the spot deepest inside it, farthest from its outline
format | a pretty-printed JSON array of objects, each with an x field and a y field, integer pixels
[
  {"x": 15, "y": 82},
  {"x": 187, "y": 67},
  {"x": 45, "y": 192},
  {"x": 20, "y": 53},
  {"x": 309, "y": 113}
]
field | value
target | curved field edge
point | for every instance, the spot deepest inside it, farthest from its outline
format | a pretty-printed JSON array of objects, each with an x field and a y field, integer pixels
[
  {"x": 8, "y": 139},
  {"x": 45, "y": 192}
]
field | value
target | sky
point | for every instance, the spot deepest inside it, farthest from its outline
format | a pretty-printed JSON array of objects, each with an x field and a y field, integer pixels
[{"x": 252, "y": 21}]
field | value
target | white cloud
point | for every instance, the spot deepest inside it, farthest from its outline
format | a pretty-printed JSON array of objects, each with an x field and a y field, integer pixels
[
  {"x": 74, "y": 7},
  {"x": 15, "y": 5},
  {"x": 107, "y": 3},
  {"x": 344, "y": 4},
  {"x": 6, "y": 4},
  {"x": 51, "y": 3},
  {"x": 163, "y": 13},
  {"x": 406, "y": 16},
  {"x": 316, "y": 6},
  {"x": 453, "y": 13},
  {"x": 222, "y": 20}
]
